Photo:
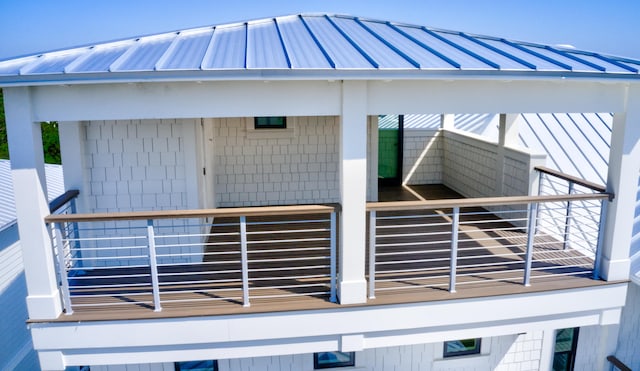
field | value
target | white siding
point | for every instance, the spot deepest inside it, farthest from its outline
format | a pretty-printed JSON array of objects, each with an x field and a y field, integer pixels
[
  {"x": 16, "y": 349},
  {"x": 629, "y": 340},
  {"x": 135, "y": 165},
  {"x": 423, "y": 155},
  {"x": 276, "y": 167}
]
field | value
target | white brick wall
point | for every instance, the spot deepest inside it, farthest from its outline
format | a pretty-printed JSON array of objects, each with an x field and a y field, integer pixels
[
  {"x": 423, "y": 157},
  {"x": 293, "y": 166},
  {"x": 629, "y": 339}
]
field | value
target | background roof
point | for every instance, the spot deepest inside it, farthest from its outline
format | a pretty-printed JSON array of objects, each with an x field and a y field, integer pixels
[{"x": 320, "y": 43}]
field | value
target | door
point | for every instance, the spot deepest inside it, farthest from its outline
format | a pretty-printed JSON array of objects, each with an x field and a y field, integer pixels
[{"x": 390, "y": 138}]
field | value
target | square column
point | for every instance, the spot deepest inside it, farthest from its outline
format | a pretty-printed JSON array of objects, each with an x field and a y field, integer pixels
[
  {"x": 622, "y": 180},
  {"x": 29, "y": 187},
  {"x": 352, "y": 286}
]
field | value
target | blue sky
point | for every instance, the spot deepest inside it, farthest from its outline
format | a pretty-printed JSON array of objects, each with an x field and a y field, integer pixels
[{"x": 607, "y": 26}]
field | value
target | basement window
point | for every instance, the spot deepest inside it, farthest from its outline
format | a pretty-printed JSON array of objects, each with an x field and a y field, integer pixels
[
  {"x": 207, "y": 365},
  {"x": 333, "y": 359},
  {"x": 461, "y": 347},
  {"x": 271, "y": 122}
]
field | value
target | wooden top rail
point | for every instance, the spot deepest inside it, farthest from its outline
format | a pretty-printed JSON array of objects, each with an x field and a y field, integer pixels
[
  {"x": 570, "y": 178},
  {"x": 618, "y": 363},
  {"x": 196, "y": 213},
  {"x": 478, "y": 202},
  {"x": 59, "y": 201}
]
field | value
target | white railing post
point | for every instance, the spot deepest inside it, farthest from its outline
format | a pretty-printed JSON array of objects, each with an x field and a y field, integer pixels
[
  {"x": 153, "y": 266},
  {"x": 531, "y": 230},
  {"x": 454, "y": 249},
  {"x": 62, "y": 269},
  {"x": 372, "y": 254},
  {"x": 601, "y": 224},
  {"x": 567, "y": 220},
  {"x": 334, "y": 297},
  {"x": 245, "y": 262}
]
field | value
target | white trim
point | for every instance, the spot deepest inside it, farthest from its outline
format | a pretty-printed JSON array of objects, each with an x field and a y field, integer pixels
[{"x": 286, "y": 133}]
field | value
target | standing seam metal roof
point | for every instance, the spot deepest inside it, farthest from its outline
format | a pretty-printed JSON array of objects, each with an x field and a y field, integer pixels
[{"x": 313, "y": 42}]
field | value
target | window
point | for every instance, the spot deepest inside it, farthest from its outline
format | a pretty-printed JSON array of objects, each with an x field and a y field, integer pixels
[
  {"x": 333, "y": 359},
  {"x": 208, "y": 365},
  {"x": 461, "y": 347},
  {"x": 564, "y": 353},
  {"x": 272, "y": 122}
]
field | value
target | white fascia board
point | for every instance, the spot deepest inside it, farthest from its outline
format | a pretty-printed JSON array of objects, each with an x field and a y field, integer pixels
[
  {"x": 286, "y": 74},
  {"x": 451, "y": 314}
]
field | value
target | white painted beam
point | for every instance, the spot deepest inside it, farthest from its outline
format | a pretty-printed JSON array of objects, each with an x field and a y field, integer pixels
[
  {"x": 29, "y": 185},
  {"x": 622, "y": 180},
  {"x": 353, "y": 192}
]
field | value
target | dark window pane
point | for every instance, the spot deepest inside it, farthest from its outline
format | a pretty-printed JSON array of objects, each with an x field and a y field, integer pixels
[
  {"x": 461, "y": 347},
  {"x": 274, "y": 122},
  {"x": 207, "y": 365},
  {"x": 333, "y": 359}
]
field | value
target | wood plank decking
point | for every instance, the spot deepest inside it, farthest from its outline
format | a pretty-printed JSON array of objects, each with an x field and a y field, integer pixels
[{"x": 279, "y": 283}]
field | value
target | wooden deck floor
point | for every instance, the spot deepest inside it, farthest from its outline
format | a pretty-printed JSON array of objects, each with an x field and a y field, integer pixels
[{"x": 275, "y": 279}]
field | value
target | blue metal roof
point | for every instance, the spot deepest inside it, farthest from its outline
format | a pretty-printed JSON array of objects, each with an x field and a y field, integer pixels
[{"x": 327, "y": 45}]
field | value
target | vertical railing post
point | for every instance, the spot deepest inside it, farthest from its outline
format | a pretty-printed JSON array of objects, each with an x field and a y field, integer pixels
[
  {"x": 153, "y": 266},
  {"x": 454, "y": 249},
  {"x": 245, "y": 261},
  {"x": 62, "y": 269},
  {"x": 598, "y": 257},
  {"x": 567, "y": 220},
  {"x": 75, "y": 234},
  {"x": 333, "y": 270},
  {"x": 531, "y": 230},
  {"x": 372, "y": 254}
]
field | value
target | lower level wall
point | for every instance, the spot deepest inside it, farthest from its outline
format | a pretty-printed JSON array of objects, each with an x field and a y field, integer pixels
[
  {"x": 628, "y": 350},
  {"x": 508, "y": 353}
]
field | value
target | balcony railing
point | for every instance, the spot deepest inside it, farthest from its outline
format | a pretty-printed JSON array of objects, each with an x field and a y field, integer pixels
[
  {"x": 443, "y": 244},
  {"x": 157, "y": 258},
  {"x": 177, "y": 258}
]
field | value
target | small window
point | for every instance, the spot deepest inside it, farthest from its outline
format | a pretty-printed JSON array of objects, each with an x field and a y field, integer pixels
[
  {"x": 564, "y": 353},
  {"x": 461, "y": 347},
  {"x": 272, "y": 122},
  {"x": 208, "y": 365},
  {"x": 333, "y": 359}
]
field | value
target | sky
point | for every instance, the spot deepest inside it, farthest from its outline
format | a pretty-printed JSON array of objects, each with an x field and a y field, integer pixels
[{"x": 606, "y": 26}]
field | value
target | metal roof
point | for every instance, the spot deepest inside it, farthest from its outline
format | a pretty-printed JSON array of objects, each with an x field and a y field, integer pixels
[{"x": 311, "y": 45}]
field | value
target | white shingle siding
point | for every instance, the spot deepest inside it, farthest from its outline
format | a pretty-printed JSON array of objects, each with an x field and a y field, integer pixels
[
  {"x": 136, "y": 165},
  {"x": 629, "y": 340},
  {"x": 423, "y": 155},
  {"x": 469, "y": 165},
  {"x": 294, "y": 166}
]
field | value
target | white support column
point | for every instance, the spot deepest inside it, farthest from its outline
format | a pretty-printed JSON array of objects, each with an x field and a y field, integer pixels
[
  {"x": 72, "y": 154},
  {"x": 29, "y": 185},
  {"x": 353, "y": 192},
  {"x": 507, "y": 137},
  {"x": 622, "y": 180},
  {"x": 447, "y": 121}
]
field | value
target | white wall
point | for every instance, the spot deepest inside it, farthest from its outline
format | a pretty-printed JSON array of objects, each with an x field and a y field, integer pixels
[
  {"x": 628, "y": 350},
  {"x": 279, "y": 166},
  {"x": 16, "y": 349},
  {"x": 512, "y": 353},
  {"x": 423, "y": 157}
]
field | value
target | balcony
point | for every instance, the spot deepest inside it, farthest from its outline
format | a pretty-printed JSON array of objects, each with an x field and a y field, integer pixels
[{"x": 437, "y": 246}]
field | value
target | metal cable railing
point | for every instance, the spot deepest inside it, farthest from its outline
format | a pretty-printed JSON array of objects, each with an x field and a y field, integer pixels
[
  {"x": 447, "y": 243},
  {"x": 155, "y": 259}
]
